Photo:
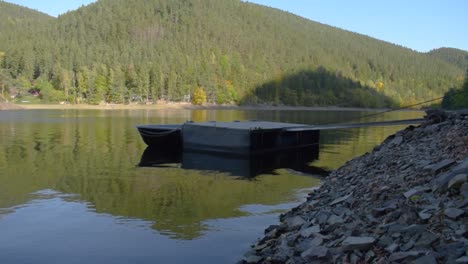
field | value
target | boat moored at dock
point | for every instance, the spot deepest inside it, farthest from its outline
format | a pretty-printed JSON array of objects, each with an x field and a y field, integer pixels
[{"x": 238, "y": 137}]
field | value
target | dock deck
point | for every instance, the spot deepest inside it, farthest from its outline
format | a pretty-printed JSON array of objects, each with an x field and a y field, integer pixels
[{"x": 245, "y": 137}]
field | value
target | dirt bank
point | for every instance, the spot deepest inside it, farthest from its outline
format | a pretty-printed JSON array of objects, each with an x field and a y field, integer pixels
[{"x": 8, "y": 106}]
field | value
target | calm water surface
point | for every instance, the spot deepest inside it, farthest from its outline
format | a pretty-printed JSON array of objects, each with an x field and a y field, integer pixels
[{"x": 71, "y": 190}]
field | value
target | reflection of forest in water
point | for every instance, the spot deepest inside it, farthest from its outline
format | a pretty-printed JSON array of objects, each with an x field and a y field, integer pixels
[{"x": 94, "y": 154}]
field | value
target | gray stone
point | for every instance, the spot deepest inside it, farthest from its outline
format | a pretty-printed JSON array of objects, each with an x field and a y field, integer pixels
[
  {"x": 322, "y": 217},
  {"x": 397, "y": 140},
  {"x": 440, "y": 184},
  {"x": 295, "y": 221},
  {"x": 341, "y": 199},
  {"x": 464, "y": 190},
  {"x": 359, "y": 243},
  {"x": 385, "y": 241},
  {"x": 453, "y": 213},
  {"x": 405, "y": 256},
  {"x": 283, "y": 252},
  {"x": 415, "y": 191},
  {"x": 409, "y": 245},
  {"x": 424, "y": 216},
  {"x": 253, "y": 259},
  {"x": 315, "y": 253},
  {"x": 272, "y": 234},
  {"x": 334, "y": 219},
  {"x": 426, "y": 240},
  {"x": 439, "y": 166},
  {"x": 271, "y": 228},
  {"x": 260, "y": 247},
  {"x": 413, "y": 230},
  {"x": 463, "y": 259},
  {"x": 457, "y": 181},
  {"x": 462, "y": 165},
  {"x": 426, "y": 259},
  {"x": 310, "y": 230},
  {"x": 451, "y": 252},
  {"x": 317, "y": 241},
  {"x": 392, "y": 248}
]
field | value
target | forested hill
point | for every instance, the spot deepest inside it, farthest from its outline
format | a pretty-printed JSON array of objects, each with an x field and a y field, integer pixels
[
  {"x": 14, "y": 17},
  {"x": 454, "y": 56},
  {"x": 122, "y": 51}
]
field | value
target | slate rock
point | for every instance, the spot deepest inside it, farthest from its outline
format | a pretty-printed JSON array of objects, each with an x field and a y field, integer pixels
[
  {"x": 424, "y": 216},
  {"x": 453, "y": 213},
  {"x": 271, "y": 228},
  {"x": 334, "y": 219},
  {"x": 397, "y": 140},
  {"x": 425, "y": 240},
  {"x": 295, "y": 221},
  {"x": 310, "y": 231},
  {"x": 426, "y": 259},
  {"x": 463, "y": 259},
  {"x": 315, "y": 253},
  {"x": 341, "y": 199},
  {"x": 439, "y": 166},
  {"x": 464, "y": 190},
  {"x": 392, "y": 248},
  {"x": 457, "y": 181},
  {"x": 404, "y": 257},
  {"x": 407, "y": 246},
  {"x": 253, "y": 259},
  {"x": 357, "y": 243},
  {"x": 413, "y": 229},
  {"x": 452, "y": 251},
  {"x": 415, "y": 191},
  {"x": 322, "y": 217}
]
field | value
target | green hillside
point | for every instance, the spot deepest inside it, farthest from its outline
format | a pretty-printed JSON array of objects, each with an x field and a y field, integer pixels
[
  {"x": 16, "y": 18},
  {"x": 122, "y": 51},
  {"x": 453, "y": 56}
]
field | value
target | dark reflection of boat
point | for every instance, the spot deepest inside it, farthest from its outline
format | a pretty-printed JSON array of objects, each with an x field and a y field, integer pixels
[
  {"x": 160, "y": 156},
  {"x": 236, "y": 165}
]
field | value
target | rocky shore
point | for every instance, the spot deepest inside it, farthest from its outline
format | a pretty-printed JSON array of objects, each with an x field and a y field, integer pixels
[{"x": 406, "y": 202}]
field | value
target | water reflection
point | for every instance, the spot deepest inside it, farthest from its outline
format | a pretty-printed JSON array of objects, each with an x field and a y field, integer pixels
[
  {"x": 168, "y": 214},
  {"x": 235, "y": 165}
]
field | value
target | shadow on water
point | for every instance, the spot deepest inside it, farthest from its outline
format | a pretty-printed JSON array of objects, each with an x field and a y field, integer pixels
[
  {"x": 319, "y": 87},
  {"x": 246, "y": 167}
]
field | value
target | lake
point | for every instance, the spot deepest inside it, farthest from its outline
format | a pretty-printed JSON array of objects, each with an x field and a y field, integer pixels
[{"x": 72, "y": 190}]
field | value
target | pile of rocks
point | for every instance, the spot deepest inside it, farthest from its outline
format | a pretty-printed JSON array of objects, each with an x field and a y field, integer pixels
[{"x": 406, "y": 202}]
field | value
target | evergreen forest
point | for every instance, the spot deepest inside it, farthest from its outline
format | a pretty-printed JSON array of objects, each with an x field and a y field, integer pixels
[{"x": 215, "y": 51}]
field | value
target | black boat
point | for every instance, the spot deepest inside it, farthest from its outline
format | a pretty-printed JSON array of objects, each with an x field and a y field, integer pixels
[{"x": 161, "y": 135}]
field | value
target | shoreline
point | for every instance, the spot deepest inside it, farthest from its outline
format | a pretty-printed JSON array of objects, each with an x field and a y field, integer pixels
[
  {"x": 404, "y": 202},
  {"x": 187, "y": 106}
]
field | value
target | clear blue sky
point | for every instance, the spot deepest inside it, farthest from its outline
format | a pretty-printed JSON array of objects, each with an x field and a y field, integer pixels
[{"x": 421, "y": 25}]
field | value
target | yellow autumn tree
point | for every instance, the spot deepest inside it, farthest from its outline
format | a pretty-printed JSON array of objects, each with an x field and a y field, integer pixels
[
  {"x": 199, "y": 96},
  {"x": 380, "y": 86}
]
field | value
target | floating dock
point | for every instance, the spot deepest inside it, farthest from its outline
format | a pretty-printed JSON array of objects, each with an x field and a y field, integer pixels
[
  {"x": 244, "y": 137},
  {"x": 238, "y": 138}
]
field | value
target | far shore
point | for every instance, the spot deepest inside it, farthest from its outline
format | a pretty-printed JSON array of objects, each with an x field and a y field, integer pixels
[{"x": 188, "y": 106}]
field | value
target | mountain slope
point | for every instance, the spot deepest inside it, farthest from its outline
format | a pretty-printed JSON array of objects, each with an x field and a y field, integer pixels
[
  {"x": 15, "y": 18},
  {"x": 118, "y": 50},
  {"x": 453, "y": 56}
]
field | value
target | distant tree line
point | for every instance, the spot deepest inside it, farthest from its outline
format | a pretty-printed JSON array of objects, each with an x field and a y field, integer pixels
[
  {"x": 457, "y": 98},
  {"x": 120, "y": 51}
]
